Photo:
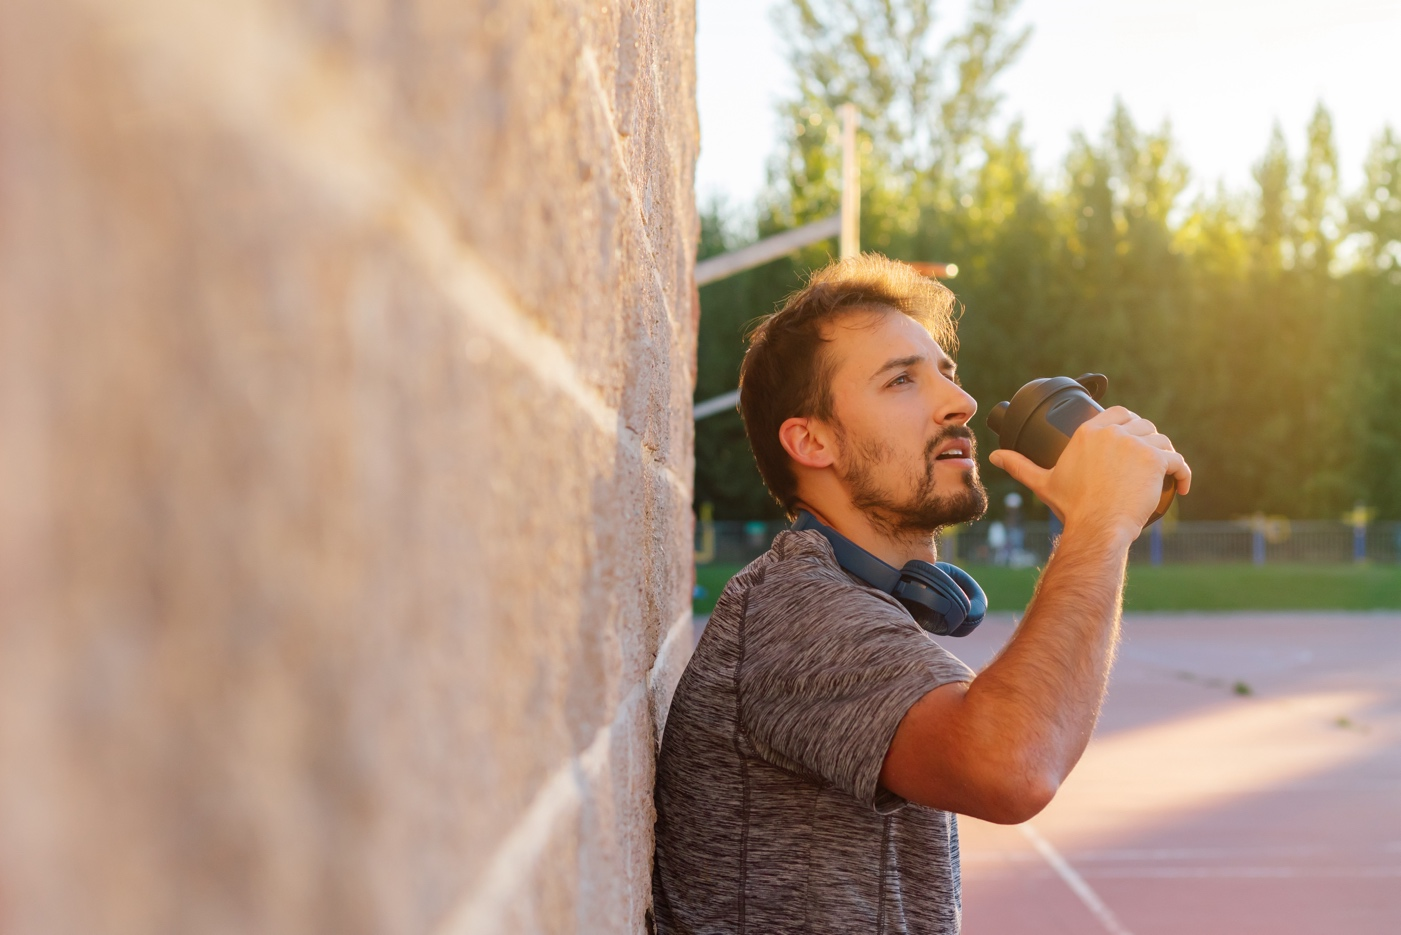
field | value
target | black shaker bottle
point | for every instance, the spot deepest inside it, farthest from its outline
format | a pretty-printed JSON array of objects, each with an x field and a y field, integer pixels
[{"x": 1039, "y": 420}]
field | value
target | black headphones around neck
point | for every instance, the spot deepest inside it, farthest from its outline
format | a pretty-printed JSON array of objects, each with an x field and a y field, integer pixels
[{"x": 944, "y": 599}]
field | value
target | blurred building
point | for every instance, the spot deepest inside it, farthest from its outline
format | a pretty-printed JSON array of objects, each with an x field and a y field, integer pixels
[{"x": 346, "y": 356}]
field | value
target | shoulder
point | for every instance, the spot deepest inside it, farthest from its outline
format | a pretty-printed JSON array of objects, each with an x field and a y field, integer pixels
[
  {"x": 805, "y": 560},
  {"x": 803, "y": 583}
]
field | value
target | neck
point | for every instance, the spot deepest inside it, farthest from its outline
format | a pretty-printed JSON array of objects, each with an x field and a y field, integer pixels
[{"x": 891, "y": 547}]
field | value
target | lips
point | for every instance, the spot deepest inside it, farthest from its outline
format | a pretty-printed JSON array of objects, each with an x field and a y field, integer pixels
[{"x": 955, "y": 448}]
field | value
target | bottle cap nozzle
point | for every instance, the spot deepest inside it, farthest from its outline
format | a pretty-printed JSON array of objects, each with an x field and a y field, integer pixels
[{"x": 999, "y": 412}]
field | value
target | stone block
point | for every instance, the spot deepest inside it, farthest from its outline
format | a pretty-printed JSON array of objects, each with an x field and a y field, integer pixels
[{"x": 345, "y": 457}]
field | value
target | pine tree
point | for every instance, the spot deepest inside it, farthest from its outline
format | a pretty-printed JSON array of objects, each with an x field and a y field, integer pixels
[
  {"x": 1317, "y": 221},
  {"x": 1374, "y": 212},
  {"x": 1273, "y": 246}
]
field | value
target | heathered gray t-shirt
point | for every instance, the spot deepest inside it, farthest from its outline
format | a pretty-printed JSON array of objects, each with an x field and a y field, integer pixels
[{"x": 770, "y": 815}]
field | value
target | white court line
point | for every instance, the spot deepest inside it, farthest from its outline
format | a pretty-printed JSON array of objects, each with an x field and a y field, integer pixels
[
  {"x": 1249, "y": 873},
  {"x": 1077, "y": 883}
]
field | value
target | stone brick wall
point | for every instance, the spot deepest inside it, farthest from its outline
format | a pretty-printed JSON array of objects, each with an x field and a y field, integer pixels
[{"x": 346, "y": 354}]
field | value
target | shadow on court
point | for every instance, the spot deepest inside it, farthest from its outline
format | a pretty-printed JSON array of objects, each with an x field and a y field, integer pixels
[{"x": 1245, "y": 777}]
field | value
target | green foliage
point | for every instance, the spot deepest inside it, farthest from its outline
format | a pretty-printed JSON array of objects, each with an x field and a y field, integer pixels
[
  {"x": 725, "y": 473},
  {"x": 1263, "y": 587},
  {"x": 1375, "y": 212},
  {"x": 1179, "y": 587},
  {"x": 920, "y": 111},
  {"x": 711, "y": 580},
  {"x": 1261, "y": 330}
]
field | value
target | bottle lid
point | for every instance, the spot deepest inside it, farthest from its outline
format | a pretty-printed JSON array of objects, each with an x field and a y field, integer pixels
[{"x": 1008, "y": 419}]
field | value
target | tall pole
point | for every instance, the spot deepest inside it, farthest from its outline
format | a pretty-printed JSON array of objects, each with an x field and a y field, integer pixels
[{"x": 851, "y": 185}]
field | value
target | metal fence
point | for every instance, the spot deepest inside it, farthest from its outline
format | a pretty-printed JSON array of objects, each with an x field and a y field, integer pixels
[{"x": 1259, "y": 541}]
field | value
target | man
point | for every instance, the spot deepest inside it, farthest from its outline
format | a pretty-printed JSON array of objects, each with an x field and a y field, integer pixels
[{"x": 820, "y": 741}]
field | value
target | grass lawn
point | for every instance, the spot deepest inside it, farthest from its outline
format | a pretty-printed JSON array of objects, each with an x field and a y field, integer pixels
[{"x": 1184, "y": 587}]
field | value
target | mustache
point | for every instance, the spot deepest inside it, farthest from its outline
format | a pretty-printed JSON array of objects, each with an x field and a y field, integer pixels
[
  {"x": 932, "y": 449},
  {"x": 948, "y": 432}
]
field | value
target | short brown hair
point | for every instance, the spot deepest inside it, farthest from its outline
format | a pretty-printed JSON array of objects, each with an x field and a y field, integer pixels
[{"x": 786, "y": 373}]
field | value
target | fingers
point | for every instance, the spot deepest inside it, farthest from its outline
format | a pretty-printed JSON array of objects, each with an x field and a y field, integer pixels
[
  {"x": 1114, "y": 415},
  {"x": 1021, "y": 468},
  {"x": 1140, "y": 427},
  {"x": 1177, "y": 466},
  {"x": 1132, "y": 424},
  {"x": 1126, "y": 419}
]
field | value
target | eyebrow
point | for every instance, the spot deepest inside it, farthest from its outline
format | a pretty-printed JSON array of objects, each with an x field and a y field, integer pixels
[
  {"x": 895, "y": 363},
  {"x": 946, "y": 364}
]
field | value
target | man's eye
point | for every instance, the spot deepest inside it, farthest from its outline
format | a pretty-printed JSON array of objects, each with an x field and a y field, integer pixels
[{"x": 902, "y": 378}]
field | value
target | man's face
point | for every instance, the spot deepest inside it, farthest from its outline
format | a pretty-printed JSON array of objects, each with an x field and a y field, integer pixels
[{"x": 904, "y": 450}]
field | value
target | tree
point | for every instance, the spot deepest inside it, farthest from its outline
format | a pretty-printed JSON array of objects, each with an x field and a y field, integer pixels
[
  {"x": 1317, "y": 222},
  {"x": 921, "y": 108},
  {"x": 1273, "y": 248},
  {"x": 1375, "y": 211},
  {"x": 1374, "y": 215},
  {"x": 1260, "y": 329}
]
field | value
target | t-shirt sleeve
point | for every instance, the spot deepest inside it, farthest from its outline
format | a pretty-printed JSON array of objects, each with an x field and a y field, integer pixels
[{"x": 828, "y": 671}]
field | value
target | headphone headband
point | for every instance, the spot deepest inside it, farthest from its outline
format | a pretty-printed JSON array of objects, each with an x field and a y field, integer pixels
[
  {"x": 851, "y": 556},
  {"x": 944, "y": 599}
]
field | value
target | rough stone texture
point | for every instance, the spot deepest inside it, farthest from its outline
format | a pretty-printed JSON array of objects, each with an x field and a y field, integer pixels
[{"x": 346, "y": 352}]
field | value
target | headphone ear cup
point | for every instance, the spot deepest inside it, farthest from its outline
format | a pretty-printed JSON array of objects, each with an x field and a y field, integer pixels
[
  {"x": 934, "y": 598},
  {"x": 944, "y": 599},
  {"x": 977, "y": 600}
]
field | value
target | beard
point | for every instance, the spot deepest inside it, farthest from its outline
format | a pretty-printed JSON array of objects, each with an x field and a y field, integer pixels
[{"x": 928, "y": 507}]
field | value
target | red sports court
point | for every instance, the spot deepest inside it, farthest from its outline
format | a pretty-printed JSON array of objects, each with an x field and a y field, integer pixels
[{"x": 1245, "y": 777}]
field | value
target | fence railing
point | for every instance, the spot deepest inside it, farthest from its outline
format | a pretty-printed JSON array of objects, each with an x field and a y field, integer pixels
[{"x": 1261, "y": 541}]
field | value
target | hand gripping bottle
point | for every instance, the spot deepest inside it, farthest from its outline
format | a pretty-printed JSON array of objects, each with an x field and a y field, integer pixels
[{"x": 1039, "y": 420}]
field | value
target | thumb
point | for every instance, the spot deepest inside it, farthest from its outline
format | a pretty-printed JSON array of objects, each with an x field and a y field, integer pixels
[{"x": 1022, "y": 468}]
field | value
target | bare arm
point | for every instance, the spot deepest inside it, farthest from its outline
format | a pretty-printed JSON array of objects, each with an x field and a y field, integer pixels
[{"x": 999, "y": 747}]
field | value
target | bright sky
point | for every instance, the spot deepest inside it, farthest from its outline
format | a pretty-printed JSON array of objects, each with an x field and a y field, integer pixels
[{"x": 1222, "y": 70}]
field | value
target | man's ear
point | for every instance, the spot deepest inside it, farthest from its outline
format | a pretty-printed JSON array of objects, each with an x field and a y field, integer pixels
[{"x": 807, "y": 441}]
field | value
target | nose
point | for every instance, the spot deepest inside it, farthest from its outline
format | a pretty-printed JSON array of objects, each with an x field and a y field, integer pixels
[{"x": 953, "y": 406}]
